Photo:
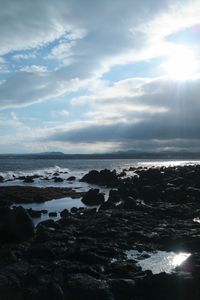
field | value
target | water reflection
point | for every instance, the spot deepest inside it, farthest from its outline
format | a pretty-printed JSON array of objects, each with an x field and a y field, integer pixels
[
  {"x": 158, "y": 262},
  {"x": 197, "y": 220}
]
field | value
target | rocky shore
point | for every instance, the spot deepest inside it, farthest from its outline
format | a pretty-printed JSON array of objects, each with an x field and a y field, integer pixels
[{"x": 83, "y": 255}]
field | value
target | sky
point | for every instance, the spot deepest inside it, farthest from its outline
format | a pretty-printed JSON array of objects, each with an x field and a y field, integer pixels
[{"x": 99, "y": 76}]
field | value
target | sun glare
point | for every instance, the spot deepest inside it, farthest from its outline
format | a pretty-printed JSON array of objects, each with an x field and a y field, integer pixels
[{"x": 182, "y": 64}]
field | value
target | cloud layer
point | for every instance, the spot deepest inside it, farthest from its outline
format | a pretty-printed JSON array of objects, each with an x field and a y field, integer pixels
[{"x": 57, "y": 74}]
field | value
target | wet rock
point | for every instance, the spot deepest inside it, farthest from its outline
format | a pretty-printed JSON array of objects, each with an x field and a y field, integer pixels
[
  {"x": 56, "y": 174},
  {"x": 83, "y": 286},
  {"x": 84, "y": 253},
  {"x": 28, "y": 179},
  {"x": 9, "y": 286},
  {"x": 30, "y": 194},
  {"x": 58, "y": 179},
  {"x": 172, "y": 286},
  {"x": 71, "y": 178},
  {"x": 122, "y": 288},
  {"x": 1, "y": 179},
  {"x": 107, "y": 205},
  {"x": 93, "y": 197},
  {"x": 52, "y": 291},
  {"x": 40, "y": 251},
  {"x": 64, "y": 213},
  {"x": 114, "y": 196},
  {"x": 122, "y": 174},
  {"x": 34, "y": 213},
  {"x": 53, "y": 214},
  {"x": 49, "y": 223},
  {"x": 104, "y": 177},
  {"x": 130, "y": 203},
  {"x": 74, "y": 210}
]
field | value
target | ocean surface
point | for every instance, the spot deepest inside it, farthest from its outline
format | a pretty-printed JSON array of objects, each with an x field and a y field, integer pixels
[{"x": 37, "y": 164}]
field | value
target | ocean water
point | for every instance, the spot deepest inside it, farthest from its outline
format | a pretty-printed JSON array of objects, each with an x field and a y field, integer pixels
[{"x": 30, "y": 165}]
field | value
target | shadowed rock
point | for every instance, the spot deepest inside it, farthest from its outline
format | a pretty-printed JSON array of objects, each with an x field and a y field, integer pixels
[
  {"x": 93, "y": 197},
  {"x": 15, "y": 224},
  {"x": 104, "y": 177}
]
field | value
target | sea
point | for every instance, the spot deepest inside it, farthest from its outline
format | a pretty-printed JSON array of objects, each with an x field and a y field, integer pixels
[{"x": 13, "y": 167}]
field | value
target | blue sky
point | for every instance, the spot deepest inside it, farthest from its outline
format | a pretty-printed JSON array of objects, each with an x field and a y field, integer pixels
[{"x": 96, "y": 76}]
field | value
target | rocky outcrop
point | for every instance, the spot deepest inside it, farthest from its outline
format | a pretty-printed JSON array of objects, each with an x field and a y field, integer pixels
[
  {"x": 58, "y": 179},
  {"x": 103, "y": 177},
  {"x": 83, "y": 255},
  {"x": 93, "y": 197},
  {"x": 71, "y": 178},
  {"x": 29, "y": 194},
  {"x": 15, "y": 224}
]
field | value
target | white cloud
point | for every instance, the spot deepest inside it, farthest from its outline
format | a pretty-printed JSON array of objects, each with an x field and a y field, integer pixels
[
  {"x": 25, "y": 88},
  {"x": 24, "y": 56},
  {"x": 92, "y": 37},
  {"x": 34, "y": 68},
  {"x": 81, "y": 41},
  {"x": 11, "y": 122}
]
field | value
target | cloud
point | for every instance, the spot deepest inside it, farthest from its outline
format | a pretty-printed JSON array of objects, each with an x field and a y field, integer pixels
[
  {"x": 33, "y": 69},
  {"x": 171, "y": 114},
  {"x": 24, "y": 56},
  {"x": 85, "y": 38},
  {"x": 34, "y": 86},
  {"x": 74, "y": 44}
]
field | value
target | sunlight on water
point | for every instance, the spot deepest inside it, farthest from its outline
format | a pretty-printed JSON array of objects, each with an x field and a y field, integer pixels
[
  {"x": 197, "y": 220},
  {"x": 179, "y": 259},
  {"x": 158, "y": 262}
]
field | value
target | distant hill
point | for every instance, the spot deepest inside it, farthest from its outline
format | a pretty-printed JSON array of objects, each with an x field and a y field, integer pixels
[
  {"x": 130, "y": 154},
  {"x": 48, "y": 153}
]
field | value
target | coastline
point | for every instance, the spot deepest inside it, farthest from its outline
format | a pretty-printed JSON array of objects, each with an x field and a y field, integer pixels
[{"x": 83, "y": 254}]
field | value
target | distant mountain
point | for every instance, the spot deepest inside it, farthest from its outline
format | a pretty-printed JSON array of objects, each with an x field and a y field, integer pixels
[
  {"x": 129, "y": 154},
  {"x": 48, "y": 153}
]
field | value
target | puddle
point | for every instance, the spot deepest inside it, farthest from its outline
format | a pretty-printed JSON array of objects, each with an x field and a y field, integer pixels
[
  {"x": 54, "y": 206},
  {"x": 158, "y": 262},
  {"x": 197, "y": 220}
]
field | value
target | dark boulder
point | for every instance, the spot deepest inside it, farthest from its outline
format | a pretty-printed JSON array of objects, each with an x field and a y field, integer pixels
[
  {"x": 122, "y": 174},
  {"x": 83, "y": 286},
  {"x": 104, "y": 177},
  {"x": 40, "y": 251},
  {"x": 52, "y": 214},
  {"x": 107, "y": 205},
  {"x": 1, "y": 179},
  {"x": 15, "y": 225},
  {"x": 28, "y": 179},
  {"x": 93, "y": 197},
  {"x": 56, "y": 174},
  {"x": 74, "y": 210},
  {"x": 71, "y": 178},
  {"x": 34, "y": 213},
  {"x": 58, "y": 179},
  {"x": 48, "y": 224},
  {"x": 130, "y": 203},
  {"x": 114, "y": 196},
  {"x": 122, "y": 288},
  {"x": 64, "y": 213},
  {"x": 51, "y": 291}
]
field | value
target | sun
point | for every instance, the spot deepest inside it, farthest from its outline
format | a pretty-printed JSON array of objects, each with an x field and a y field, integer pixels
[{"x": 181, "y": 64}]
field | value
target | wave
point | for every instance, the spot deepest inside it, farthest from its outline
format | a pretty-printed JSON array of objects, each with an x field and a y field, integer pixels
[{"x": 46, "y": 172}]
